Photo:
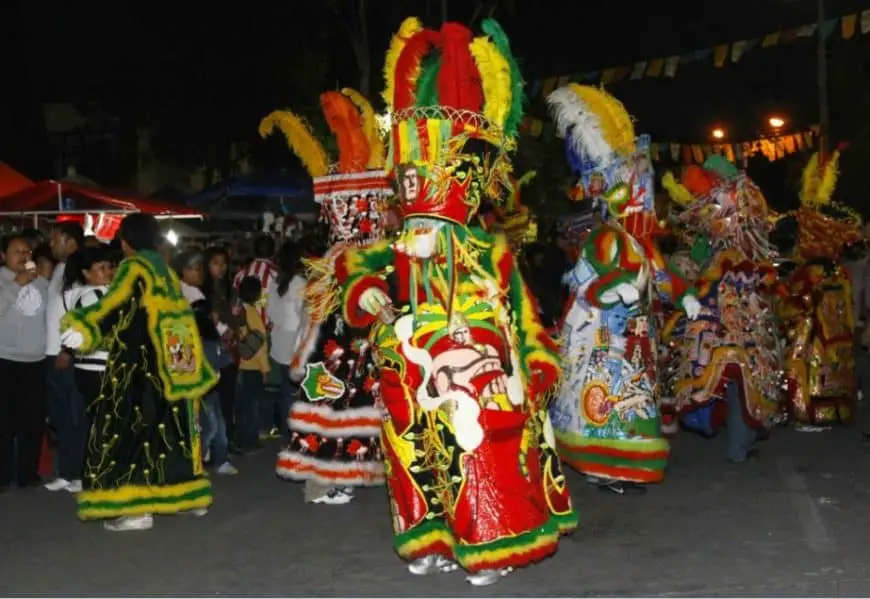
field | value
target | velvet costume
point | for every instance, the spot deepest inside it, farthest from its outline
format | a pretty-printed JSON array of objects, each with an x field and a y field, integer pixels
[{"x": 143, "y": 453}]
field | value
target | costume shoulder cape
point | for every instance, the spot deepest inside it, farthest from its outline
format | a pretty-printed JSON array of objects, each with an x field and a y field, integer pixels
[{"x": 143, "y": 282}]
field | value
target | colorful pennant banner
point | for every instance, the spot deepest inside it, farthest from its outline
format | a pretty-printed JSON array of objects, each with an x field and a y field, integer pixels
[
  {"x": 773, "y": 148},
  {"x": 721, "y": 55}
]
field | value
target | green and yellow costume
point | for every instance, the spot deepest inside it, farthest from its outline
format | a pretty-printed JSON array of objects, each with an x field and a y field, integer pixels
[{"x": 143, "y": 453}]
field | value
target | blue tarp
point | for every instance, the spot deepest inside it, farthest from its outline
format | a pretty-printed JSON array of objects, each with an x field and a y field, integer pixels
[{"x": 286, "y": 193}]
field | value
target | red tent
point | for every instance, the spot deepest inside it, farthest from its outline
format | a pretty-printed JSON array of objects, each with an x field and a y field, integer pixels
[
  {"x": 11, "y": 180},
  {"x": 54, "y": 197}
]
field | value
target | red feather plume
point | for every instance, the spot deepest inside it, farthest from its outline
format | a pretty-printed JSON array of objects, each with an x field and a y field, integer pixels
[
  {"x": 344, "y": 121},
  {"x": 459, "y": 83},
  {"x": 408, "y": 67}
]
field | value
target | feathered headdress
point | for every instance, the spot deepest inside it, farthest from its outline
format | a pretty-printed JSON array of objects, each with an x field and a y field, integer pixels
[
  {"x": 597, "y": 129},
  {"x": 453, "y": 96},
  {"x": 350, "y": 118},
  {"x": 819, "y": 180},
  {"x": 353, "y": 190},
  {"x": 825, "y": 227}
]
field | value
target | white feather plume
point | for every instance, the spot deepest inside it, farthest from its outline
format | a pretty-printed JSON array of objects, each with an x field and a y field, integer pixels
[{"x": 571, "y": 113}]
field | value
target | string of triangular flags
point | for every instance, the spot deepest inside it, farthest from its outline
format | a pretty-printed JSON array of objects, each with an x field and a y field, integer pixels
[
  {"x": 721, "y": 55},
  {"x": 773, "y": 148}
]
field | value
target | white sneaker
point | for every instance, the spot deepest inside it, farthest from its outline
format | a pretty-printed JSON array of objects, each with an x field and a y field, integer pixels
[
  {"x": 333, "y": 497},
  {"x": 346, "y": 490},
  {"x": 227, "y": 468},
  {"x": 431, "y": 564},
  {"x": 125, "y": 523},
  {"x": 487, "y": 577},
  {"x": 58, "y": 484},
  {"x": 74, "y": 486}
]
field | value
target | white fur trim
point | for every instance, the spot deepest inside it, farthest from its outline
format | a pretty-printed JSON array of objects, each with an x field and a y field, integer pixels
[
  {"x": 336, "y": 422},
  {"x": 293, "y": 465},
  {"x": 571, "y": 113}
]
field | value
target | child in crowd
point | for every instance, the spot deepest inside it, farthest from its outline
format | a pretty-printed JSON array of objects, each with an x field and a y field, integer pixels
[
  {"x": 215, "y": 445},
  {"x": 44, "y": 260},
  {"x": 254, "y": 367}
]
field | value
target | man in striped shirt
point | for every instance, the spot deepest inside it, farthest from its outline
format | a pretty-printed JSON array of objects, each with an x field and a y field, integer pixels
[{"x": 263, "y": 269}]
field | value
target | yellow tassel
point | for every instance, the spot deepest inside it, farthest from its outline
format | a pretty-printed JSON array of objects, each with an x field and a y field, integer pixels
[
  {"x": 495, "y": 74},
  {"x": 409, "y": 27},
  {"x": 679, "y": 194},
  {"x": 370, "y": 128},
  {"x": 300, "y": 140}
]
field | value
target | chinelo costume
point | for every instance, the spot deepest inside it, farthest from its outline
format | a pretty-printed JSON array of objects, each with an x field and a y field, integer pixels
[
  {"x": 465, "y": 368},
  {"x": 606, "y": 414},
  {"x": 143, "y": 454},
  {"x": 335, "y": 425},
  {"x": 730, "y": 361},
  {"x": 817, "y": 313}
]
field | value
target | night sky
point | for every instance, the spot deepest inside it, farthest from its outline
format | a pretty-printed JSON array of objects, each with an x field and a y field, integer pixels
[{"x": 237, "y": 61}]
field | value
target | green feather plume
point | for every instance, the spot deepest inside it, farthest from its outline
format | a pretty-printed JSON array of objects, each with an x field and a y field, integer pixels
[
  {"x": 500, "y": 40},
  {"x": 427, "y": 84}
]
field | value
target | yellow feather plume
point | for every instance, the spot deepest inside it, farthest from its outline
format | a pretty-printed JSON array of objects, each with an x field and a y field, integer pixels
[
  {"x": 614, "y": 121},
  {"x": 818, "y": 181},
  {"x": 679, "y": 194},
  {"x": 370, "y": 128},
  {"x": 809, "y": 180},
  {"x": 495, "y": 73},
  {"x": 409, "y": 27},
  {"x": 300, "y": 139},
  {"x": 830, "y": 174}
]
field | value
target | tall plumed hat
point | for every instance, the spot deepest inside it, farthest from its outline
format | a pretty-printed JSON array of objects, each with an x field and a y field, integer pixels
[
  {"x": 455, "y": 103},
  {"x": 597, "y": 130},
  {"x": 352, "y": 191},
  {"x": 825, "y": 227}
]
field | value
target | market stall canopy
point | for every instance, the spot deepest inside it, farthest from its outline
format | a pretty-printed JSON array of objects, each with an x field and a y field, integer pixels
[
  {"x": 11, "y": 181},
  {"x": 52, "y": 197},
  {"x": 250, "y": 196}
]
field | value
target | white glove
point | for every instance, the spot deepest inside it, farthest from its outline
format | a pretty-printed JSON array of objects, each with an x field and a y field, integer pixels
[
  {"x": 373, "y": 300},
  {"x": 692, "y": 306},
  {"x": 72, "y": 339},
  {"x": 624, "y": 292}
]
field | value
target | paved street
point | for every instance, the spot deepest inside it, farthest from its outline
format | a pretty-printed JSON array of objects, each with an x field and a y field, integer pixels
[{"x": 795, "y": 522}]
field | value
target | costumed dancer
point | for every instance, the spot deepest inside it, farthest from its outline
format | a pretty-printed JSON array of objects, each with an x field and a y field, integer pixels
[
  {"x": 817, "y": 313},
  {"x": 335, "y": 425},
  {"x": 606, "y": 415},
  {"x": 465, "y": 367},
  {"x": 143, "y": 454},
  {"x": 729, "y": 359}
]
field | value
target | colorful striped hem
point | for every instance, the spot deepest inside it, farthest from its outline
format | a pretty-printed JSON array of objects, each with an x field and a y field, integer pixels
[
  {"x": 430, "y": 537},
  {"x": 640, "y": 461},
  {"x": 135, "y": 500},
  {"x": 566, "y": 523},
  {"x": 434, "y": 537},
  {"x": 510, "y": 552}
]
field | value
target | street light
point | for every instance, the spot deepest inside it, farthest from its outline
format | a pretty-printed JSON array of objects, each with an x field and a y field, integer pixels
[
  {"x": 776, "y": 122},
  {"x": 718, "y": 133}
]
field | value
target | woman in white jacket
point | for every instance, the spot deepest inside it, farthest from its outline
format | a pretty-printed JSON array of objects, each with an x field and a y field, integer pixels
[{"x": 285, "y": 308}]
